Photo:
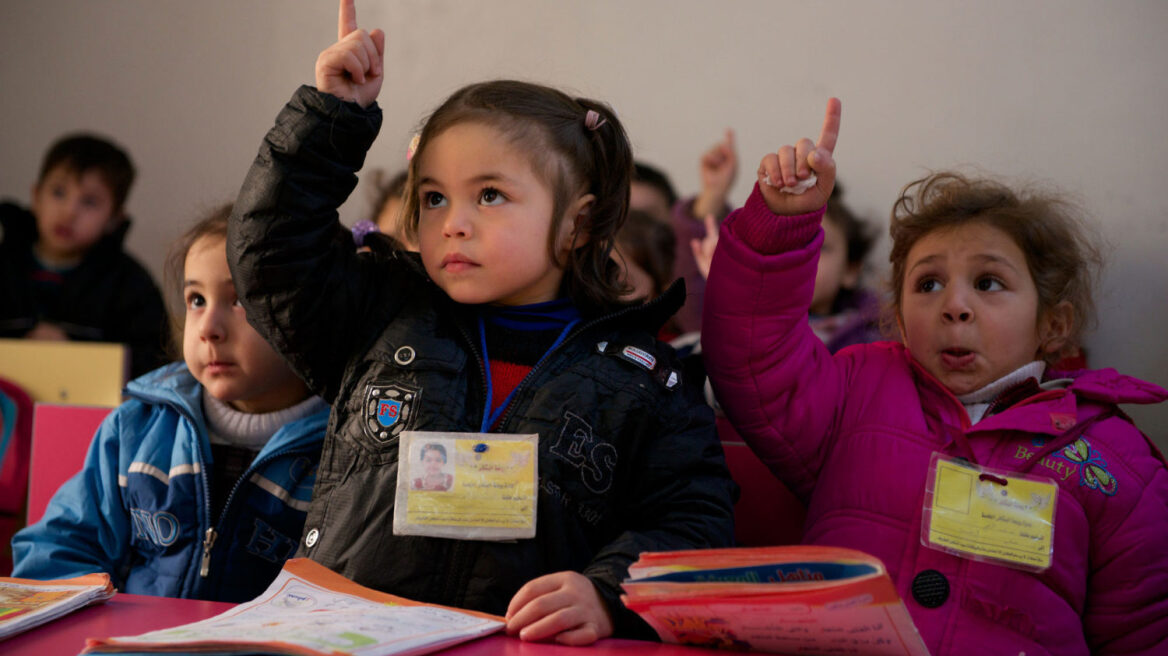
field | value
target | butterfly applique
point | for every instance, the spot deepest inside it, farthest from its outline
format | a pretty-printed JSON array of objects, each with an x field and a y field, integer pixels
[{"x": 1092, "y": 466}]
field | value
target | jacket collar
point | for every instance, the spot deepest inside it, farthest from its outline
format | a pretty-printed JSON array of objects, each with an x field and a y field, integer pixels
[{"x": 174, "y": 386}]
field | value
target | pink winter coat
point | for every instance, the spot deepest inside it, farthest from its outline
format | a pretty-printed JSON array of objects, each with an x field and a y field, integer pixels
[{"x": 852, "y": 435}]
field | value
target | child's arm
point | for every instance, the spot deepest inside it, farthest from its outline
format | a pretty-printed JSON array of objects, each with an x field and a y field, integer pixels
[
  {"x": 85, "y": 528},
  {"x": 294, "y": 264},
  {"x": 718, "y": 168},
  {"x": 775, "y": 379}
]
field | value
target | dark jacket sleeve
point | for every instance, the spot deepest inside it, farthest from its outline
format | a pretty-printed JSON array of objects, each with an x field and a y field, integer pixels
[
  {"x": 295, "y": 266},
  {"x": 142, "y": 322},
  {"x": 682, "y": 498}
]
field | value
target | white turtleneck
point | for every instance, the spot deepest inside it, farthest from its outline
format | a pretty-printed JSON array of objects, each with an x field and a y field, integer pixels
[
  {"x": 249, "y": 430},
  {"x": 977, "y": 402}
]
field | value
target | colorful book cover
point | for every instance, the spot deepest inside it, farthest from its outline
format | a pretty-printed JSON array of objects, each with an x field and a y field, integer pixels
[
  {"x": 25, "y": 603},
  {"x": 794, "y": 599}
]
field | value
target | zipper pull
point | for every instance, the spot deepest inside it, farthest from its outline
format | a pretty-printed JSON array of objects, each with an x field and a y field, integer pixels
[{"x": 208, "y": 542}]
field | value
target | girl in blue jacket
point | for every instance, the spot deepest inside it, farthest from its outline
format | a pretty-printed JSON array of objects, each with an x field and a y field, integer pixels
[{"x": 196, "y": 486}]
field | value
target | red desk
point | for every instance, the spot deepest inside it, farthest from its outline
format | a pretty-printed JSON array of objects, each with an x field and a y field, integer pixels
[{"x": 128, "y": 614}]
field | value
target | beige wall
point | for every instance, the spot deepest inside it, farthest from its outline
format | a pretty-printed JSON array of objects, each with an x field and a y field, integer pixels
[{"x": 1072, "y": 93}]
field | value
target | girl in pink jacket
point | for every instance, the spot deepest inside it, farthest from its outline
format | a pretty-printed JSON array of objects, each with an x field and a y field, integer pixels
[{"x": 1017, "y": 509}]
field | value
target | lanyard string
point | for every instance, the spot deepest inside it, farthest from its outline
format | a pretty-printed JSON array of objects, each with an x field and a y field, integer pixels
[{"x": 491, "y": 415}]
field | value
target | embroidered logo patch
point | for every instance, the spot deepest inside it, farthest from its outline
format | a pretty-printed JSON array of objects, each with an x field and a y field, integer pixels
[
  {"x": 643, "y": 358},
  {"x": 388, "y": 409},
  {"x": 1092, "y": 466}
]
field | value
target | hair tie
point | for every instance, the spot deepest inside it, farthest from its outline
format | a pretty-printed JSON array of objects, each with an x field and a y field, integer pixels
[
  {"x": 413, "y": 147},
  {"x": 593, "y": 119},
  {"x": 361, "y": 229}
]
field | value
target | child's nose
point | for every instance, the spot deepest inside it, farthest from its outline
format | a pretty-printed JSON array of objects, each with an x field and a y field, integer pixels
[
  {"x": 957, "y": 307},
  {"x": 458, "y": 221},
  {"x": 213, "y": 328}
]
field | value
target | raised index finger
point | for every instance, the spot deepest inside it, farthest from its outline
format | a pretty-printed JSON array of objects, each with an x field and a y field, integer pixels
[
  {"x": 347, "y": 21},
  {"x": 831, "y": 123}
]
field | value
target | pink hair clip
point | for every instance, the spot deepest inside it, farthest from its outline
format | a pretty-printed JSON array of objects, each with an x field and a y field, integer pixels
[
  {"x": 593, "y": 119},
  {"x": 413, "y": 147}
]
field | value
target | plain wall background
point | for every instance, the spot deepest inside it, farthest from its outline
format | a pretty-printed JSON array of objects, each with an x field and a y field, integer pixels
[{"x": 1069, "y": 93}]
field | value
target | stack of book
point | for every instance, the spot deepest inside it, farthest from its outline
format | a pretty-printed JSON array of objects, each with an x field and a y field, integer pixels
[
  {"x": 25, "y": 603},
  {"x": 790, "y": 599}
]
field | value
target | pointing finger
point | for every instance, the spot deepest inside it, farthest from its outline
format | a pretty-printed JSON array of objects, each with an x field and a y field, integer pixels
[
  {"x": 347, "y": 21},
  {"x": 831, "y": 124}
]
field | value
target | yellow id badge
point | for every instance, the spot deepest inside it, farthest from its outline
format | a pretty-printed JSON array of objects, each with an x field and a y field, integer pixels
[
  {"x": 989, "y": 515},
  {"x": 467, "y": 486}
]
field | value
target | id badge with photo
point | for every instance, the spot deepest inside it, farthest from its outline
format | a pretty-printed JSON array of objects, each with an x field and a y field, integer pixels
[
  {"x": 989, "y": 515},
  {"x": 468, "y": 486}
]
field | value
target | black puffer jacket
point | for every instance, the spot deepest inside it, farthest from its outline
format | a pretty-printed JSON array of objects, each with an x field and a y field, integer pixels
[
  {"x": 629, "y": 459},
  {"x": 108, "y": 297}
]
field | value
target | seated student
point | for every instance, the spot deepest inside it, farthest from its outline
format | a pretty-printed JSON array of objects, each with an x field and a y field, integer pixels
[
  {"x": 388, "y": 206},
  {"x": 644, "y": 248},
  {"x": 653, "y": 193},
  {"x": 842, "y": 312},
  {"x": 1016, "y": 508},
  {"x": 63, "y": 273},
  {"x": 508, "y": 320},
  {"x": 197, "y": 486}
]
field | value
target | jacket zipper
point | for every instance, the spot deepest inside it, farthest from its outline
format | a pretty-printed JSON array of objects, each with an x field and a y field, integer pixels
[{"x": 212, "y": 534}]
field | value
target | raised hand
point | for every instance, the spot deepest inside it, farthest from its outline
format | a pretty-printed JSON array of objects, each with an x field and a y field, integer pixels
[
  {"x": 718, "y": 168},
  {"x": 351, "y": 69},
  {"x": 794, "y": 164}
]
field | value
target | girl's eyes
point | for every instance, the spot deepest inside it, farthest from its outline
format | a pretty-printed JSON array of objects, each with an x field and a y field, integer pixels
[
  {"x": 928, "y": 285},
  {"x": 432, "y": 199},
  {"x": 988, "y": 284},
  {"x": 491, "y": 197},
  {"x": 195, "y": 301}
]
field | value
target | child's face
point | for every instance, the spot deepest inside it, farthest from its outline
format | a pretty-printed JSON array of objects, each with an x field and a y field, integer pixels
[
  {"x": 221, "y": 349},
  {"x": 72, "y": 212},
  {"x": 433, "y": 461},
  {"x": 389, "y": 221},
  {"x": 969, "y": 308},
  {"x": 649, "y": 199},
  {"x": 834, "y": 271},
  {"x": 642, "y": 284},
  {"x": 484, "y": 219}
]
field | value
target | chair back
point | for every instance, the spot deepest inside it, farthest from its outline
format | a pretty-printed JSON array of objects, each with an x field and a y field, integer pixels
[
  {"x": 60, "y": 439},
  {"x": 766, "y": 513}
]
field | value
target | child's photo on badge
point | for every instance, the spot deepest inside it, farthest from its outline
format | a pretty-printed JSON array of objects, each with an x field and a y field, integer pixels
[{"x": 434, "y": 476}]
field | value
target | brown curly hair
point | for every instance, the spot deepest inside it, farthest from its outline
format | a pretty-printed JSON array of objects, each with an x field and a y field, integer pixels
[{"x": 1061, "y": 251}]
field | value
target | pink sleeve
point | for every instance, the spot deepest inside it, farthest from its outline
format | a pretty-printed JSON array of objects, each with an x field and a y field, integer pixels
[{"x": 775, "y": 379}]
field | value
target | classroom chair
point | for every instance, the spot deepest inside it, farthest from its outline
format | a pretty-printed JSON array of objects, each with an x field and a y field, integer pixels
[
  {"x": 60, "y": 439},
  {"x": 79, "y": 373},
  {"x": 15, "y": 443},
  {"x": 766, "y": 513}
]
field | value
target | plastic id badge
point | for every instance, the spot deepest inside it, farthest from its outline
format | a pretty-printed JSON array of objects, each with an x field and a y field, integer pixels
[
  {"x": 989, "y": 515},
  {"x": 467, "y": 486}
]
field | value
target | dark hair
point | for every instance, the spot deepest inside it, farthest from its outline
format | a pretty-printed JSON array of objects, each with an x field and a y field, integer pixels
[
  {"x": 1060, "y": 254},
  {"x": 656, "y": 178},
  {"x": 857, "y": 232},
  {"x": 433, "y": 447},
  {"x": 214, "y": 224},
  {"x": 569, "y": 157},
  {"x": 651, "y": 245},
  {"x": 82, "y": 153}
]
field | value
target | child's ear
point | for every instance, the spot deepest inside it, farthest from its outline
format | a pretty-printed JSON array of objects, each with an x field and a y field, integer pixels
[
  {"x": 1054, "y": 327},
  {"x": 574, "y": 227}
]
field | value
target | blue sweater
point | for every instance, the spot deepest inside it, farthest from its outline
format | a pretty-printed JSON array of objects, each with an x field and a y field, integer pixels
[{"x": 140, "y": 509}]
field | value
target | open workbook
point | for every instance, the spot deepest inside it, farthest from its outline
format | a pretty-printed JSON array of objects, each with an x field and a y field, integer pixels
[
  {"x": 25, "y": 603},
  {"x": 790, "y": 600},
  {"x": 310, "y": 610}
]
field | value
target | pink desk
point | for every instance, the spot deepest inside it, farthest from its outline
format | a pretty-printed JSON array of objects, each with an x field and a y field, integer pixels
[{"x": 128, "y": 614}]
